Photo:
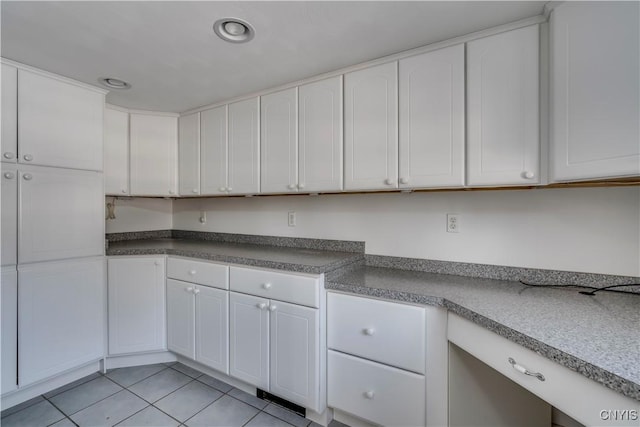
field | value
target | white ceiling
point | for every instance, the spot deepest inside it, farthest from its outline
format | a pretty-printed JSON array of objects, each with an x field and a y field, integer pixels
[{"x": 169, "y": 53}]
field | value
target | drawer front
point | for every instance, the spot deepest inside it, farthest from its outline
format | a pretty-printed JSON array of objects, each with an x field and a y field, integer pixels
[
  {"x": 202, "y": 273},
  {"x": 293, "y": 288},
  {"x": 375, "y": 392},
  {"x": 382, "y": 331}
]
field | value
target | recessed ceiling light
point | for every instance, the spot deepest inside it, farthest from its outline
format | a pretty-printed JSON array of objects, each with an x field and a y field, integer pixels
[
  {"x": 233, "y": 30},
  {"x": 112, "y": 83}
]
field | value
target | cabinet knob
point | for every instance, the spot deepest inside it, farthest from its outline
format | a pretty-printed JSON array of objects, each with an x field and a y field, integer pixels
[
  {"x": 194, "y": 191},
  {"x": 266, "y": 286},
  {"x": 528, "y": 175},
  {"x": 222, "y": 189},
  {"x": 192, "y": 272},
  {"x": 404, "y": 180},
  {"x": 262, "y": 305},
  {"x": 27, "y": 177},
  {"x": 369, "y": 394},
  {"x": 369, "y": 331},
  {"x": 189, "y": 289},
  {"x": 388, "y": 181},
  {"x": 301, "y": 186},
  {"x": 8, "y": 155},
  {"x": 27, "y": 157},
  {"x": 124, "y": 191},
  {"x": 229, "y": 189},
  {"x": 272, "y": 307},
  {"x": 171, "y": 192},
  {"x": 196, "y": 291},
  {"x": 291, "y": 186},
  {"x": 9, "y": 175}
]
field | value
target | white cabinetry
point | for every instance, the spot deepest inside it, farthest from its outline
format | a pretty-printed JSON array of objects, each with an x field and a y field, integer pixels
[
  {"x": 59, "y": 123},
  {"x": 371, "y": 128},
  {"x": 136, "y": 304},
  {"x": 595, "y": 90},
  {"x": 189, "y": 154},
  {"x": 214, "y": 151},
  {"x": 60, "y": 214},
  {"x": 9, "y": 321},
  {"x": 502, "y": 109},
  {"x": 61, "y": 314},
  {"x": 116, "y": 151},
  {"x": 9, "y": 113},
  {"x": 431, "y": 101},
  {"x": 154, "y": 143},
  {"x": 9, "y": 218}
]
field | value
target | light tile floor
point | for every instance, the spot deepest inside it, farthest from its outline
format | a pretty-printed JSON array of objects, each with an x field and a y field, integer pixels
[{"x": 151, "y": 395}]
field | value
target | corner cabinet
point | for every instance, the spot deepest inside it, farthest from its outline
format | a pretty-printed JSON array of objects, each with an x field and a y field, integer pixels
[
  {"x": 503, "y": 109},
  {"x": 595, "y": 90}
]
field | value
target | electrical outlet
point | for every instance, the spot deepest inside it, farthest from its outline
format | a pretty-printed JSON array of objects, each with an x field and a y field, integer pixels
[
  {"x": 453, "y": 223},
  {"x": 291, "y": 218}
]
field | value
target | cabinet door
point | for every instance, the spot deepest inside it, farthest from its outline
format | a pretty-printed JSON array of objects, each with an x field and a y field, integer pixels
[
  {"x": 244, "y": 147},
  {"x": 595, "y": 93},
  {"x": 180, "y": 318},
  {"x": 502, "y": 109},
  {"x": 189, "y": 154},
  {"x": 9, "y": 215},
  {"x": 371, "y": 128},
  {"x": 213, "y": 151},
  {"x": 279, "y": 142},
  {"x": 59, "y": 123},
  {"x": 136, "y": 304},
  {"x": 9, "y": 330},
  {"x": 320, "y": 135},
  {"x": 61, "y": 317},
  {"x": 61, "y": 214},
  {"x": 9, "y": 113},
  {"x": 212, "y": 328},
  {"x": 294, "y": 352},
  {"x": 249, "y": 339},
  {"x": 432, "y": 119},
  {"x": 116, "y": 152},
  {"x": 154, "y": 141}
]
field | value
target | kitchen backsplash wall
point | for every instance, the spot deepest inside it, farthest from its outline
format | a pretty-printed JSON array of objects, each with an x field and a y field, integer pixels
[{"x": 140, "y": 214}]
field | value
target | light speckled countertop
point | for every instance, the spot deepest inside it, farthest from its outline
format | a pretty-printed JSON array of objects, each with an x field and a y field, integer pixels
[{"x": 597, "y": 336}]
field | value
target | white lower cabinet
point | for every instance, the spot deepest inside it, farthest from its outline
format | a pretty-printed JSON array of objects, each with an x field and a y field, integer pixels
[
  {"x": 136, "y": 304},
  {"x": 9, "y": 321},
  {"x": 61, "y": 316}
]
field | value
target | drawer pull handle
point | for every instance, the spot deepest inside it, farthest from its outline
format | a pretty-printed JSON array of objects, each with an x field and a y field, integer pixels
[
  {"x": 192, "y": 273},
  {"x": 369, "y": 394},
  {"x": 266, "y": 285},
  {"x": 525, "y": 371},
  {"x": 369, "y": 331}
]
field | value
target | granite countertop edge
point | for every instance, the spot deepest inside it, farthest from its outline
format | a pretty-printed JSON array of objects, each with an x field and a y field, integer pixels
[{"x": 593, "y": 372}]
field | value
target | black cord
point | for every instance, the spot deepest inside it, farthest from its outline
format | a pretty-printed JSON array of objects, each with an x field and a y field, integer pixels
[{"x": 593, "y": 288}]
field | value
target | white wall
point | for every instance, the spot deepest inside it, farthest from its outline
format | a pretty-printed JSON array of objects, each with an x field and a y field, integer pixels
[
  {"x": 140, "y": 215},
  {"x": 580, "y": 229}
]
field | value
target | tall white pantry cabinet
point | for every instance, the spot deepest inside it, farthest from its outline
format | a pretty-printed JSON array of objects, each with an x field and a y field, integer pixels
[{"x": 53, "y": 272}]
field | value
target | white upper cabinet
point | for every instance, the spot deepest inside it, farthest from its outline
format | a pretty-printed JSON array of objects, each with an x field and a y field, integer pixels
[
  {"x": 244, "y": 147},
  {"x": 595, "y": 90},
  {"x": 59, "y": 123},
  {"x": 116, "y": 152},
  {"x": 502, "y": 109},
  {"x": 371, "y": 128},
  {"x": 154, "y": 140},
  {"x": 431, "y": 133},
  {"x": 213, "y": 151},
  {"x": 9, "y": 217},
  {"x": 279, "y": 142},
  {"x": 61, "y": 214},
  {"x": 9, "y": 113},
  {"x": 320, "y": 135},
  {"x": 189, "y": 154}
]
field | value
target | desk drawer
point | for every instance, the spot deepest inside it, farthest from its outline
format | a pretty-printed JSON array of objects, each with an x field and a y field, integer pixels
[
  {"x": 382, "y": 331},
  {"x": 200, "y": 272}
]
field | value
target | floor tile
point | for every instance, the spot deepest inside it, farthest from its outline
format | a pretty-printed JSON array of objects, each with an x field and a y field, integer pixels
[
  {"x": 21, "y": 406},
  {"x": 334, "y": 423},
  {"x": 40, "y": 414},
  {"x": 129, "y": 376},
  {"x": 226, "y": 411},
  {"x": 64, "y": 423},
  {"x": 265, "y": 420},
  {"x": 71, "y": 401},
  {"x": 72, "y": 385},
  {"x": 187, "y": 370},
  {"x": 187, "y": 401},
  {"x": 286, "y": 415},
  {"x": 151, "y": 417},
  {"x": 159, "y": 385},
  {"x": 248, "y": 398},
  {"x": 110, "y": 411},
  {"x": 215, "y": 383}
]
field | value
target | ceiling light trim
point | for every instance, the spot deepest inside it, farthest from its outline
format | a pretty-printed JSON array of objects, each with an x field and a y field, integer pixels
[
  {"x": 234, "y": 30},
  {"x": 113, "y": 83}
]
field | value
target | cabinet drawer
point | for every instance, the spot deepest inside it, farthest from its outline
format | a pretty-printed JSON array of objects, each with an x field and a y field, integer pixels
[
  {"x": 375, "y": 392},
  {"x": 294, "y": 288},
  {"x": 383, "y": 331},
  {"x": 202, "y": 273}
]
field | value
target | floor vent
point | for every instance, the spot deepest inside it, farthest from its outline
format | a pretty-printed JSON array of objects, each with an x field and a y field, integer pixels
[{"x": 300, "y": 410}]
